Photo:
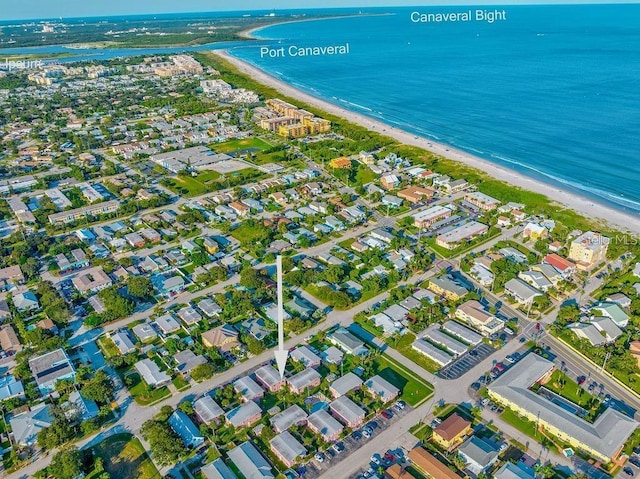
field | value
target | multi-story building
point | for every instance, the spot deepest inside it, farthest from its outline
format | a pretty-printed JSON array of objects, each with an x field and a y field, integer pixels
[{"x": 589, "y": 249}]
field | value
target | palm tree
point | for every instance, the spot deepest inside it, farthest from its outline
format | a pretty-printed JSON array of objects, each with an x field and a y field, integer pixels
[{"x": 544, "y": 471}]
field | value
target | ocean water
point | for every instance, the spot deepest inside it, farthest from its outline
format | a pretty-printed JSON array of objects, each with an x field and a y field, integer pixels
[{"x": 552, "y": 92}]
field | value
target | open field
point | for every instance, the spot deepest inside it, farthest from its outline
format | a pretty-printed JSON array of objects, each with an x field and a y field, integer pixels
[{"x": 124, "y": 457}]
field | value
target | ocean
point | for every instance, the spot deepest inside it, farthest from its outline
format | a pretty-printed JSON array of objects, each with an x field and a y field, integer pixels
[{"x": 552, "y": 92}]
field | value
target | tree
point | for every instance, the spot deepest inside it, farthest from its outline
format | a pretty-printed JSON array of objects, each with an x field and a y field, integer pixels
[
  {"x": 186, "y": 407},
  {"x": 251, "y": 278},
  {"x": 66, "y": 464},
  {"x": 99, "y": 388},
  {"x": 166, "y": 446},
  {"x": 202, "y": 372},
  {"x": 140, "y": 287},
  {"x": 544, "y": 471}
]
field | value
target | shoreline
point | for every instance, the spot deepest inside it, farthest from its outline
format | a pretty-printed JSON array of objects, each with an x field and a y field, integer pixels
[
  {"x": 248, "y": 34},
  {"x": 587, "y": 207}
]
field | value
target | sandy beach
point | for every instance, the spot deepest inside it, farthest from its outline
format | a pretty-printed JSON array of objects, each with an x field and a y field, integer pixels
[{"x": 585, "y": 206}]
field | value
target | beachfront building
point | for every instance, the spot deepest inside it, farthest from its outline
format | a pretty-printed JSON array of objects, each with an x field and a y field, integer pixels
[
  {"x": 482, "y": 201},
  {"x": 602, "y": 439},
  {"x": 589, "y": 249}
]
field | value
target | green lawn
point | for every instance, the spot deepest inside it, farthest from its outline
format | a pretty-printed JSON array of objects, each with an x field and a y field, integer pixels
[
  {"x": 570, "y": 390},
  {"x": 180, "y": 383},
  {"x": 143, "y": 396},
  {"x": 124, "y": 457},
  {"x": 240, "y": 144},
  {"x": 404, "y": 347},
  {"x": 108, "y": 347},
  {"x": 521, "y": 424},
  {"x": 414, "y": 389}
]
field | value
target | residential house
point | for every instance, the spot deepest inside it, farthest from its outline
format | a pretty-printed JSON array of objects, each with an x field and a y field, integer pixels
[
  {"x": 269, "y": 378},
  {"x": 217, "y": 470},
  {"x": 287, "y": 448},
  {"x": 184, "y": 427},
  {"x": 224, "y": 338},
  {"x": 189, "y": 316},
  {"x": 565, "y": 267},
  {"x": 522, "y": 292},
  {"x": 451, "y": 432},
  {"x": 306, "y": 357},
  {"x": 187, "y": 360},
  {"x": 144, "y": 332},
  {"x": 448, "y": 287},
  {"x": 293, "y": 415},
  {"x": 347, "y": 412},
  {"x": 347, "y": 342},
  {"x": 207, "y": 410},
  {"x": 249, "y": 461},
  {"x": 244, "y": 415},
  {"x": 51, "y": 367},
  {"x": 381, "y": 388},
  {"x": 612, "y": 311},
  {"x": 122, "y": 340},
  {"x": 9, "y": 341},
  {"x": 322, "y": 423},
  {"x": 345, "y": 384},
  {"x": 10, "y": 387},
  {"x": 26, "y": 301},
  {"x": 151, "y": 373},
  {"x": 480, "y": 454},
  {"x": 167, "y": 324},
  {"x": 92, "y": 281},
  {"x": 25, "y": 426},
  {"x": 304, "y": 381},
  {"x": 248, "y": 389}
]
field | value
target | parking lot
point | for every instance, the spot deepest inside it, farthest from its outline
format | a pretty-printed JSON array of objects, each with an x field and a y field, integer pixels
[
  {"x": 333, "y": 455},
  {"x": 466, "y": 362},
  {"x": 384, "y": 460}
]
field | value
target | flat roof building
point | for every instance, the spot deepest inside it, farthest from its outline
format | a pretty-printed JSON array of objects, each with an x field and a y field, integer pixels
[
  {"x": 344, "y": 384},
  {"x": 207, "y": 409},
  {"x": 50, "y": 368},
  {"x": 602, "y": 439}
]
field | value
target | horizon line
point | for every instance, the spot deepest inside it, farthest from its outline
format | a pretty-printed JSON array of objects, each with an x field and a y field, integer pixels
[{"x": 307, "y": 9}]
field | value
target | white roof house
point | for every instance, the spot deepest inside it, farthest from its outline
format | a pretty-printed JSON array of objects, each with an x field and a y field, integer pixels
[
  {"x": 207, "y": 409},
  {"x": 167, "y": 324},
  {"x": 382, "y": 388},
  {"x": 151, "y": 373},
  {"x": 250, "y": 462}
]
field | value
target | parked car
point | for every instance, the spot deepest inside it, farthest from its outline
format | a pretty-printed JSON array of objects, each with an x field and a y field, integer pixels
[
  {"x": 581, "y": 380},
  {"x": 628, "y": 471},
  {"x": 376, "y": 459},
  {"x": 319, "y": 456}
]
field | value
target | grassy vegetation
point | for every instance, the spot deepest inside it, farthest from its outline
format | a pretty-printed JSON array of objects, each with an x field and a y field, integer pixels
[
  {"x": 108, "y": 347},
  {"x": 560, "y": 384},
  {"x": 124, "y": 456},
  {"x": 241, "y": 144},
  {"x": 180, "y": 383},
  {"x": 523, "y": 425},
  {"x": 414, "y": 389},
  {"x": 144, "y": 395},
  {"x": 403, "y": 346}
]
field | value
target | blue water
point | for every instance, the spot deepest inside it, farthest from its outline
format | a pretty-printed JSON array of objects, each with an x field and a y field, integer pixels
[{"x": 552, "y": 92}]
